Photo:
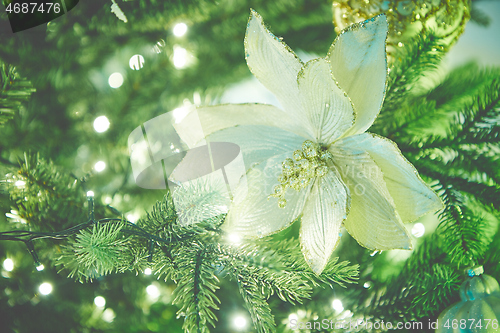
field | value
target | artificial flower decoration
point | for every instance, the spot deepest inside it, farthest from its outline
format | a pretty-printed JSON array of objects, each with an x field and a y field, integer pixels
[{"x": 313, "y": 159}]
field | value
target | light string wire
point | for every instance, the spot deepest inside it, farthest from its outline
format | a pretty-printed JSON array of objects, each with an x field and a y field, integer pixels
[{"x": 29, "y": 236}]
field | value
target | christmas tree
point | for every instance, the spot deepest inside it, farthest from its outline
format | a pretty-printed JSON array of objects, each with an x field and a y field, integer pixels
[{"x": 139, "y": 193}]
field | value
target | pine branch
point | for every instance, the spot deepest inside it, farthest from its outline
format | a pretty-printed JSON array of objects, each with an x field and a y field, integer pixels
[
  {"x": 335, "y": 272},
  {"x": 265, "y": 266},
  {"x": 95, "y": 253},
  {"x": 462, "y": 109},
  {"x": 477, "y": 121},
  {"x": 256, "y": 304},
  {"x": 488, "y": 195},
  {"x": 14, "y": 91},
  {"x": 472, "y": 164},
  {"x": 45, "y": 197},
  {"x": 195, "y": 291},
  {"x": 423, "y": 287},
  {"x": 418, "y": 56},
  {"x": 462, "y": 86},
  {"x": 465, "y": 235}
]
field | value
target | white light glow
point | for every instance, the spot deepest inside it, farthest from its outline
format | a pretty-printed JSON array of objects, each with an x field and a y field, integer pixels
[
  {"x": 180, "y": 57},
  {"x": 100, "y": 166},
  {"x": 136, "y": 62},
  {"x": 20, "y": 183},
  {"x": 132, "y": 218},
  {"x": 45, "y": 288},
  {"x": 179, "y": 114},
  {"x": 293, "y": 316},
  {"x": 115, "y": 80},
  {"x": 8, "y": 265},
  {"x": 337, "y": 305},
  {"x": 108, "y": 315},
  {"x": 239, "y": 322},
  {"x": 148, "y": 271},
  {"x": 40, "y": 267},
  {"x": 367, "y": 285},
  {"x": 234, "y": 238},
  {"x": 418, "y": 230},
  {"x": 100, "y": 301},
  {"x": 108, "y": 200},
  {"x": 90, "y": 193},
  {"x": 153, "y": 291},
  {"x": 101, "y": 124},
  {"x": 180, "y": 29}
]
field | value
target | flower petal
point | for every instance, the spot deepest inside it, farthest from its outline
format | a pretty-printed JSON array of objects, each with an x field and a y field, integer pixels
[
  {"x": 322, "y": 217},
  {"x": 201, "y": 122},
  {"x": 359, "y": 64},
  {"x": 412, "y": 197},
  {"x": 257, "y": 142},
  {"x": 328, "y": 109},
  {"x": 252, "y": 213},
  {"x": 274, "y": 64},
  {"x": 372, "y": 220}
]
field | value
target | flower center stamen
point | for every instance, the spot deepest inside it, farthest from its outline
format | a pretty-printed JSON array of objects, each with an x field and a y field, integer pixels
[{"x": 310, "y": 162}]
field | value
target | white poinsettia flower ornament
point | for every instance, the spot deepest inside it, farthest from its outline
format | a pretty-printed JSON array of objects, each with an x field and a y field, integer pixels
[{"x": 313, "y": 159}]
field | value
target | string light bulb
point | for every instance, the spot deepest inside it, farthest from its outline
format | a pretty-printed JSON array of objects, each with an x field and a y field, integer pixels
[
  {"x": 8, "y": 265},
  {"x": 418, "y": 230},
  {"x": 337, "y": 305},
  {"x": 136, "y": 62},
  {"x": 180, "y": 29},
  {"x": 45, "y": 288},
  {"x": 240, "y": 322},
  {"x": 101, "y": 124},
  {"x": 153, "y": 291},
  {"x": 180, "y": 57},
  {"x": 108, "y": 315},
  {"x": 115, "y": 80},
  {"x": 99, "y": 301},
  {"x": 100, "y": 166}
]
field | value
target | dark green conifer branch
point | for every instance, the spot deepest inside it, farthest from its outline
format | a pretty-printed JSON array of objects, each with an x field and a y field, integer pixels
[
  {"x": 420, "y": 55},
  {"x": 195, "y": 291},
  {"x": 424, "y": 286},
  {"x": 14, "y": 91}
]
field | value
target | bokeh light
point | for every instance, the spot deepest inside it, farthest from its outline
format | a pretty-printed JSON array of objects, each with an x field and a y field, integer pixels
[
  {"x": 136, "y": 62},
  {"x": 337, "y": 305},
  {"x": 153, "y": 291},
  {"x": 239, "y": 322},
  {"x": 418, "y": 230},
  {"x": 180, "y": 57},
  {"x": 45, "y": 288},
  {"x": 180, "y": 29},
  {"x": 115, "y": 80},
  {"x": 101, "y": 124},
  {"x": 8, "y": 265},
  {"x": 100, "y": 301},
  {"x": 100, "y": 166},
  {"x": 108, "y": 315}
]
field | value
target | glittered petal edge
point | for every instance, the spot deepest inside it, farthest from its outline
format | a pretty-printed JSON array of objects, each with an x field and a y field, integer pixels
[{"x": 358, "y": 61}]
